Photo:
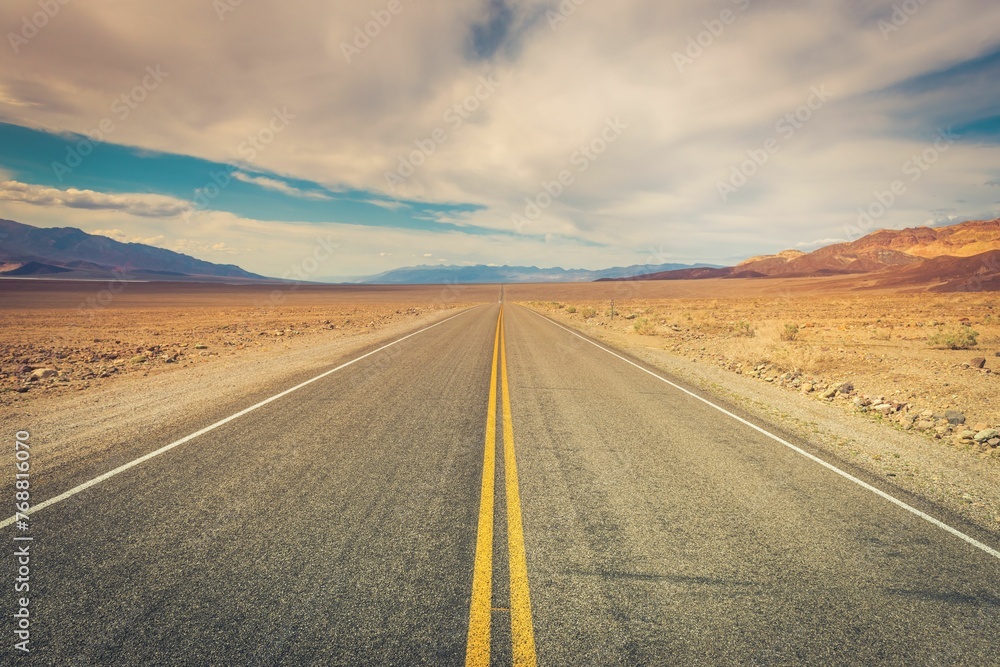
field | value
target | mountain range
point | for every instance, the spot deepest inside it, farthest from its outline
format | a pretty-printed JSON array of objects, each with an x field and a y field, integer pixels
[
  {"x": 955, "y": 257},
  {"x": 483, "y": 273},
  {"x": 964, "y": 256},
  {"x": 67, "y": 252}
]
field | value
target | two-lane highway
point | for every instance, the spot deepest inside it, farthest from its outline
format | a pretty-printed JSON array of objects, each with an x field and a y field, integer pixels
[{"x": 496, "y": 490}]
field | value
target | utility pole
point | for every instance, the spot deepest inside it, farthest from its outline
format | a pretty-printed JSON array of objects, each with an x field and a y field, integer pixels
[{"x": 612, "y": 309}]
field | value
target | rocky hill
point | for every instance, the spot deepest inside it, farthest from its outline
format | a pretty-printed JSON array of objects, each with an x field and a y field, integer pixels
[{"x": 916, "y": 255}]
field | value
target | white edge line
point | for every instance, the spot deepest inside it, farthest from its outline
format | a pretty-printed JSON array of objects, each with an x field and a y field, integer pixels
[
  {"x": 166, "y": 448},
  {"x": 892, "y": 499}
]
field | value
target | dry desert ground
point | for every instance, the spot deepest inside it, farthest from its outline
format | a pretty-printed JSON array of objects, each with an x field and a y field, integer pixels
[
  {"x": 68, "y": 336},
  {"x": 863, "y": 375}
]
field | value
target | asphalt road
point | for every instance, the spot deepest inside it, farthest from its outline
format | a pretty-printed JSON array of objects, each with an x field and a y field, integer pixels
[{"x": 629, "y": 523}]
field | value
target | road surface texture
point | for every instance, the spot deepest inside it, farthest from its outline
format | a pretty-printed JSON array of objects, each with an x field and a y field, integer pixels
[{"x": 481, "y": 495}]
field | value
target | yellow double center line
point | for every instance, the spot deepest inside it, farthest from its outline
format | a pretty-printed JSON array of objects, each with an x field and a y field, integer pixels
[{"x": 522, "y": 633}]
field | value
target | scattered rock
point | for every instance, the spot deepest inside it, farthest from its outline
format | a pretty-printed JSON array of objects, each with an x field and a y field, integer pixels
[
  {"x": 954, "y": 417},
  {"x": 883, "y": 408},
  {"x": 986, "y": 434},
  {"x": 807, "y": 387},
  {"x": 993, "y": 442},
  {"x": 978, "y": 362},
  {"x": 42, "y": 373},
  {"x": 924, "y": 425},
  {"x": 846, "y": 388},
  {"x": 139, "y": 359},
  {"x": 967, "y": 435},
  {"x": 200, "y": 346},
  {"x": 830, "y": 393}
]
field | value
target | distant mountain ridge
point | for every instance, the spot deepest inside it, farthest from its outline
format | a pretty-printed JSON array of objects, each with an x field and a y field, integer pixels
[
  {"x": 68, "y": 252},
  {"x": 483, "y": 273},
  {"x": 906, "y": 253}
]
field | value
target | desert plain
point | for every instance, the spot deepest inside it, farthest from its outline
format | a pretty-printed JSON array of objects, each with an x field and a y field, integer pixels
[{"x": 865, "y": 375}]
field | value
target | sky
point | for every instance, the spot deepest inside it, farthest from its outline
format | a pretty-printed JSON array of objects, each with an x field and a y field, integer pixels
[{"x": 573, "y": 133}]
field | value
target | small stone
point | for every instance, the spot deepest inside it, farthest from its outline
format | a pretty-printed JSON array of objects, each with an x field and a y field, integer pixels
[
  {"x": 883, "y": 408},
  {"x": 954, "y": 417},
  {"x": 42, "y": 373},
  {"x": 924, "y": 425},
  {"x": 978, "y": 362},
  {"x": 846, "y": 388},
  {"x": 830, "y": 393},
  {"x": 139, "y": 359},
  {"x": 807, "y": 387},
  {"x": 200, "y": 346},
  {"x": 986, "y": 434},
  {"x": 993, "y": 442},
  {"x": 967, "y": 435}
]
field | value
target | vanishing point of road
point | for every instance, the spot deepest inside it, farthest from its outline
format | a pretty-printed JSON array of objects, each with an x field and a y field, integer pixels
[{"x": 494, "y": 490}]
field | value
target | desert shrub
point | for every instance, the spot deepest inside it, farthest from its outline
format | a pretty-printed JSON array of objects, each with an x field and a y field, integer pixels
[
  {"x": 790, "y": 332},
  {"x": 644, "y": 327},
  {"x": 743, "y": 329},
  {"x": 954, "y": 338},
  {"x": 589, "y": 312},
  {"x": 571, "y": 309}
]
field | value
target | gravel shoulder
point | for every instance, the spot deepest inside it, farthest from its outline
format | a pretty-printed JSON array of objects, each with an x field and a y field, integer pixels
[{"x": 959, "y": 481}]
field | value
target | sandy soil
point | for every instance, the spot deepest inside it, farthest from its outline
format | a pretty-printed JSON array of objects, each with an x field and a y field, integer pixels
[{"x": 881, "y": 343}]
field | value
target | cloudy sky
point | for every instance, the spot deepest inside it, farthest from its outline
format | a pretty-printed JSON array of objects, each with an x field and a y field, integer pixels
[{"x": 580, "y": 133}]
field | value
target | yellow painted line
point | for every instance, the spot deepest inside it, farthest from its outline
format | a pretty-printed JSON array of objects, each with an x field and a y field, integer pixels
[
  {"x": 477, "y": 652},
  {"x": 522, "y": 631}
]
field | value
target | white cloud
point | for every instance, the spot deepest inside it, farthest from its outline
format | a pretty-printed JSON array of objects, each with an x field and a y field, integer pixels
[
  {"x": 199, "y": 248},
  {"x": 656, "y": 186},
  {"x": 116, "y": 234},
  {"x": 279, "y": 186},
  {"x": 145, "y": 205},
  {"x": 818, "y": 243}
]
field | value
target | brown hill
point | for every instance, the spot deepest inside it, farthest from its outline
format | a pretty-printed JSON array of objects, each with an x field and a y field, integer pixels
[
  {"x": 948, "y": 274},
  {"x": 884, "y": 250}
]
